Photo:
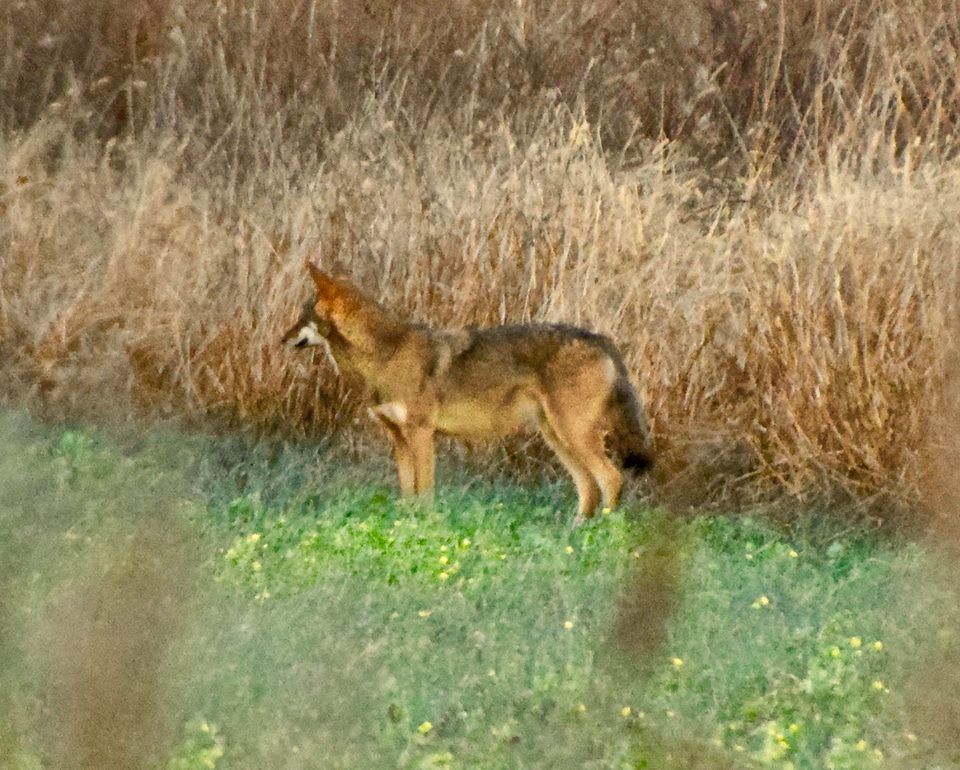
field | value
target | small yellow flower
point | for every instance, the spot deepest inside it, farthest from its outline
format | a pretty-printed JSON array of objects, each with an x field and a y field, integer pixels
[
  {"x": 762, "y": 601},
  {"x": 856, "y": 642},
  {"x": 568, "y": 549},
  {"x": 676, "y": 662},
  {"x": 257, "y": 566},
  {"x": 568, "y": 624},
  {"x": 424, "y": 613},
  {"x": 492, "y": 674},
  {"x": 878, "y": 755},
  {"x": 793, "y": 554},
  {"x": 443, "y": 576},
  {"x": 879, "y": 686},
  {"x": 626, "y": 711},
  {"x": 794, "y": 728},
  {"x": 444, "y": 559},
  {"x": 605, "y": 511},
  {"x": 425, "y": 728},
  {"x": 582, "y": 708},
  {"x": 205, "y": 727},
  {"x": 860, "y": 745},
  {"x": 877, "y": 645},
  {"x": 749, "y": 557},
  {"x": 443, "y": 548},
  {"x": 253, "y": 537},
  {"x": 671, "y": 713},
  {"x": 465, "y": 543},
  {"x": 834, "y": 652}
]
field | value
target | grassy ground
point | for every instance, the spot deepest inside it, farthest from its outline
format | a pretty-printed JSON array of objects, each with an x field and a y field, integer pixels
[{"x": 186, "y": 602}]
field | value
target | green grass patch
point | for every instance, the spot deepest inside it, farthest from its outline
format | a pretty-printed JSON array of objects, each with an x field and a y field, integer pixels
[{"x": 268, "y": 607}]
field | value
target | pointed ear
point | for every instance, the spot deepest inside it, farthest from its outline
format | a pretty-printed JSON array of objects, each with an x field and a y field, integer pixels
[{"x": 325, "y": 285}]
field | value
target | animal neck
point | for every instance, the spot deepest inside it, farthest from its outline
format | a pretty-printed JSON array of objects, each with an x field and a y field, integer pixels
[{"x": 365, "y": 340}]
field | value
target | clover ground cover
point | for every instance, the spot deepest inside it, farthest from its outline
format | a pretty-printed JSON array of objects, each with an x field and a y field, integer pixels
[{"x": 315, "y": 621}]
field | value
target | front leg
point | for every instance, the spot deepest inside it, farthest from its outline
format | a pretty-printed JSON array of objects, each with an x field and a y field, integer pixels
[
  {"x": 421, "y": 443},
  {"x": 402, "y": 453}
]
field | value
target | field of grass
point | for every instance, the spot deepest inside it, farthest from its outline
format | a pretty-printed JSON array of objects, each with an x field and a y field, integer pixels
[
  {"x": 179, "y": 601},
  {"x": 759, "y": 201}
]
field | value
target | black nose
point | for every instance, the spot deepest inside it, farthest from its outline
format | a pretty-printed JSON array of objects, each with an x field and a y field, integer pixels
[{"x": 300, "y": 344}]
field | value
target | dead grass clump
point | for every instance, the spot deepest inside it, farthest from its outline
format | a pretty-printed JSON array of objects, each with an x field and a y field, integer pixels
[
  {"x": 767, "y": 80},
  {"x": 106, "y": 644}
]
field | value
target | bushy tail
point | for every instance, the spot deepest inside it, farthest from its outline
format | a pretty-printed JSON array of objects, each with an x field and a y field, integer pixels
[{"x": 628, "y": 425}]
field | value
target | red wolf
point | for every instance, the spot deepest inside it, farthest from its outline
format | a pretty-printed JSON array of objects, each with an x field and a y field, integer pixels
[{"x": 567, "y": 382}]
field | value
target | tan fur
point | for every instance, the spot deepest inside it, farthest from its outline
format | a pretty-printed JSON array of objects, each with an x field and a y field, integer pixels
[{"x": 567, "y": 383}]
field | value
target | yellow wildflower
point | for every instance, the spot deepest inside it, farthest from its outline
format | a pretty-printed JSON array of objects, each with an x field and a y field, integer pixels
[
  {"x": 257, "y": 566},
  {"x": 834, "y": 652},
  {"x": 856, "y": 642},
  {"x": 625, "y": 711},
  {"x": 568, "y": 624},
  {"x": 877, "y": 645},
  {"x": 444, "y": 559},
  {"x": 443, "y": 576},
  {"x": 793, "y": 554},
  {"x": 465, "y": 543},
  {"x": 676, "y": 662},
  {"x": 582, "y": 708},
  {"x": 605, "y": 511},
  {"x": 568, "y": 549},
  {"x": 860, "y": 745},
  {"x": 424, "y": 613},
  {"x": 425, "y": 728}
]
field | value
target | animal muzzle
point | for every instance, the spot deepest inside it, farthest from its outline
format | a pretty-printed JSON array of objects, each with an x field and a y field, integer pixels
[{"x": 303, "y": 336}]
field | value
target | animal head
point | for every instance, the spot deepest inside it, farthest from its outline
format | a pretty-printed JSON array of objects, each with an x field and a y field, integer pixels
[
  {"x": 309, "y": 330},
  {"x": 335, "y": 298}
]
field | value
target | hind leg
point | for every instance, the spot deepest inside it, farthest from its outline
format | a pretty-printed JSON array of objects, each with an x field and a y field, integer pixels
[
  {"x": 588, "y": 493},
  {"x": 583, "y": 443},
  {"x": 607, "y": 474}
]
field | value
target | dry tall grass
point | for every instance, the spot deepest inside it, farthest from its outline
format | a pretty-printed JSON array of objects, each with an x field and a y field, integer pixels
[{"x": 759, "y": 201}]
